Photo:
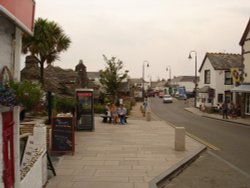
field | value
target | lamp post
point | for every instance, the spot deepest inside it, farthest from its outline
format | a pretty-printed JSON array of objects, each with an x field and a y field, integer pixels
[
  {"x": 169, "y": 82},
  {"x": 143, "y": 75},
  {"x": 169, "y": 69},
  {"x": 195, "y": 77}
]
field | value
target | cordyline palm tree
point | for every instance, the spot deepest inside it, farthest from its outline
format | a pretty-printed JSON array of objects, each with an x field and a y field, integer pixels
[{"x": 46, "y": 43}]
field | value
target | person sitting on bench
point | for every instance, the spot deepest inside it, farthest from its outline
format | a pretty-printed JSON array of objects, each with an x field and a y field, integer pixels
[
  {"x": 122, "y": 112},
  {"x": 107, "y": 113},
  {"x": 114, "y": 113}
]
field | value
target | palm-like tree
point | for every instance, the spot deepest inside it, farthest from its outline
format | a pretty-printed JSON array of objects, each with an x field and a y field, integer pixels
[{"x": 47, "y": 42}]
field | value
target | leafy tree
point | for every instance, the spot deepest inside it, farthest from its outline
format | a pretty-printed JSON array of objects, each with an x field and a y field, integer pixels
[
  {"x": 111, "y": 77},
  {"x": 47, "y": 42}
]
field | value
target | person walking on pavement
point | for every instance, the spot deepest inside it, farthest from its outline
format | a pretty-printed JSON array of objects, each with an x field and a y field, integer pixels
[
  {"x": 225, "y": 110},
  {"x": 145, "y": 105}
]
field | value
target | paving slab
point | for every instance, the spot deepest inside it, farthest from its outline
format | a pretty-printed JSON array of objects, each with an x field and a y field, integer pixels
[{"x": 120, "y": 156}]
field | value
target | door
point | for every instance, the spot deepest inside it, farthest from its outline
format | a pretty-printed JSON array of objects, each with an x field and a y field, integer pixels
[
  {"x": 8, "y": 150},
  {"x": 247, "y": 104}
]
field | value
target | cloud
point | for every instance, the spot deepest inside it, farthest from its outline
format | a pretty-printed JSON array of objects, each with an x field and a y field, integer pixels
[{"x": 160, "y": 31}]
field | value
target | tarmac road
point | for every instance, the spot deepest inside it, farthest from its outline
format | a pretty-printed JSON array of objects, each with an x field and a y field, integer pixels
[
  {"x": 208, "y": 172},
  {"x": 228, "y": 166}
]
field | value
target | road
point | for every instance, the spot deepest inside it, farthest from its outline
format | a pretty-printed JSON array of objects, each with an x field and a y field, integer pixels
[{"x": 231, "y": 140}]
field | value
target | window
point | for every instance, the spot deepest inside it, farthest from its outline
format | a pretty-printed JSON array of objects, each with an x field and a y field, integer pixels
[
  {"x": 220, "y": 98},
  {"x": 228, "y": 78},
  {"x": 207, "y": 77}
]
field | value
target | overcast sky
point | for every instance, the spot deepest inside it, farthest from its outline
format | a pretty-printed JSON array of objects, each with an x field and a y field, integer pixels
[{"x": 162, "y": 32}]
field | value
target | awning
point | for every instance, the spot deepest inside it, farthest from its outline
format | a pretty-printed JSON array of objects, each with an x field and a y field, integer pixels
[{"x": 244, "y": 88}]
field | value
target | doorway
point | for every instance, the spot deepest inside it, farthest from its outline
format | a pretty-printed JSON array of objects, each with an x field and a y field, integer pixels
[{"x": 8, "y": 149}]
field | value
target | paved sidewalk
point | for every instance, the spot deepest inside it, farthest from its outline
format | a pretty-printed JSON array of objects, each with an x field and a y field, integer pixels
[
  {"x": 239, "y": 120},
  {"x": 121, "y": 156}
]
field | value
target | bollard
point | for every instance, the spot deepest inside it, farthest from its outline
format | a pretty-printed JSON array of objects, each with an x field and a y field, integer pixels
[
  {"x": 148, "y": 116},
  {"x": 179, "y": 138}
]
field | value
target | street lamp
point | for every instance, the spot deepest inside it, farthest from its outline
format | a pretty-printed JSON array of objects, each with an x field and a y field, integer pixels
[
  {"x": 169, "y": 82},
  {"x": 169, "y": 69},
  {"x": 143, "y": 75},
  {"x": 195, "y": 77}
]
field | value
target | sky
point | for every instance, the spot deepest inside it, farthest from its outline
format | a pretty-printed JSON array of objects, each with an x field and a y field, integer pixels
[{"x": 160, "y": 32}]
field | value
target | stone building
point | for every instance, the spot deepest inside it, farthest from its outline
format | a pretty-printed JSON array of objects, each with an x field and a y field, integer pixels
[{"x": 56, "y": 79}]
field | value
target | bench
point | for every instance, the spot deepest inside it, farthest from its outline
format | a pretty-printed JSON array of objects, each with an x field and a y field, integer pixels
[{"x": 108, "y": 119}]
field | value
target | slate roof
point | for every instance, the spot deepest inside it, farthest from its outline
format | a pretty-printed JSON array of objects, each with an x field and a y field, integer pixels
[
  {"x": 183, "y": 79},
  {"x": 93, "y": 75},
  {"x": 223, "y": 61},
  {"x": 135, "y": 80},
  {"x": 56, "y": 79}
]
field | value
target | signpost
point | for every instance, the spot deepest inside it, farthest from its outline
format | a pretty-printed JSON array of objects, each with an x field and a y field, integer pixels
[{"x": 63, "y": 137}]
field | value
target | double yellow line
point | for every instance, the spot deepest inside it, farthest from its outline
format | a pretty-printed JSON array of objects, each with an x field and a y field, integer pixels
[{"x": 211, "y": 146}]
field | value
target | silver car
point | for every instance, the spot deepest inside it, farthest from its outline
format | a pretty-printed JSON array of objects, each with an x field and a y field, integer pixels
[{"x": 167, "y": 99}]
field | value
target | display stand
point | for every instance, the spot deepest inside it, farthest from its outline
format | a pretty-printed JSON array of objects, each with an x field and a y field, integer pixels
[{"x": 63, "y": 137}]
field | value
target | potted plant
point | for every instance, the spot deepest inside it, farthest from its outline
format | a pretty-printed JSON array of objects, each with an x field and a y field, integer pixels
[{"x": 7, "y": 96}]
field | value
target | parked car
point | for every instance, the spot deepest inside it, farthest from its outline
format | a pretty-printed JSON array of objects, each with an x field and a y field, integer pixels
[
  {"x": 190, "y": 94},
  {"x": 167, "y": 99},
  {"x": 161, "y": 95},
  {"x": 151, "y": 94},
  {"x": 182, "y": 97}
]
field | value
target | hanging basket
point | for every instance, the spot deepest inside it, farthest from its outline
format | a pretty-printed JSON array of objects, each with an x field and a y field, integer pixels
[{"x": 7, "y": 95}]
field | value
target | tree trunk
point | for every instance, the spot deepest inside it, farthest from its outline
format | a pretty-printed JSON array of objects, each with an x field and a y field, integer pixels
[{"x": 42, "y": 73}]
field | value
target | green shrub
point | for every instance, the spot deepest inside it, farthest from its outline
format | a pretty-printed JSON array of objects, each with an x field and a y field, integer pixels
[
  {"x": 99, "y": 108},
  {"x": 64, "y": 104},
  {"x": 129, "y": 103},
  {"x": 28, "y": 94}
]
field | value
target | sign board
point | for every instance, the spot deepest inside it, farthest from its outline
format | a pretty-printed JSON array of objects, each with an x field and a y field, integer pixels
[
  {"x": 29, "y": 151},
  {"x": 63, "y": 138}
]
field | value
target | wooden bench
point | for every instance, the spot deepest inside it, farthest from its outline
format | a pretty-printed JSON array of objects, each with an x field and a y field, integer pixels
[
  {"x": 105, "y": 118},
  {"x": 108, "y": 119}
]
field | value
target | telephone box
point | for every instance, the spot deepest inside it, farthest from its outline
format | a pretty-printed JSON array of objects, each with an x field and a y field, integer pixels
[{"x": 84, "y": 109}]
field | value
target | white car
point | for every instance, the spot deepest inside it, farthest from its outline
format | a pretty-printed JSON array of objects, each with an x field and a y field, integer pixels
[{"x": 167, "y": 99}]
